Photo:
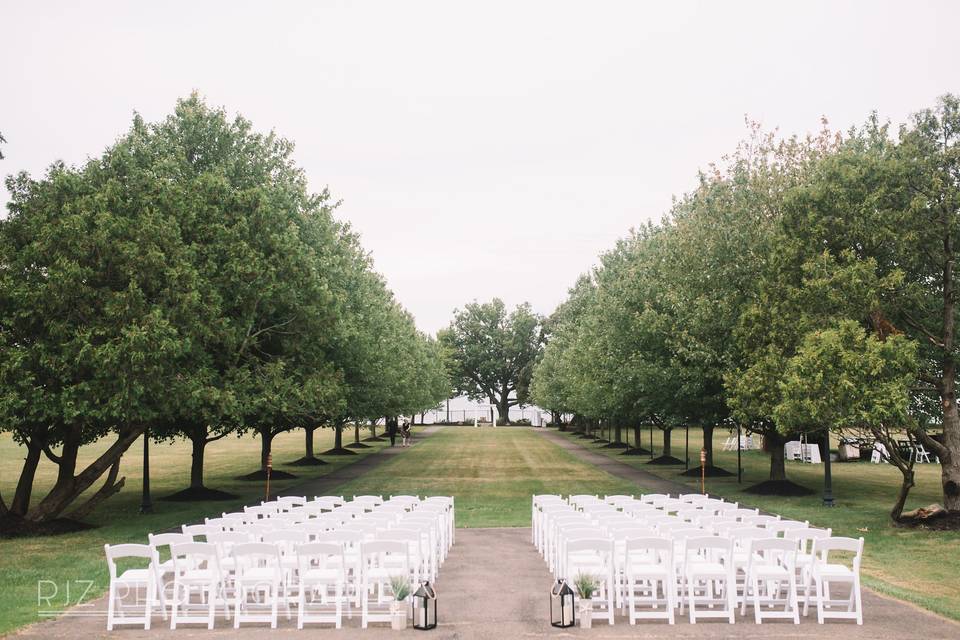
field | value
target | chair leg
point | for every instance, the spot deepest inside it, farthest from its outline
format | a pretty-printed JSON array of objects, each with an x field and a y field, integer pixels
[
  {"x": 148, "y": 607},
  {"x": 173, "y": 607},
  {"x": 856, "y": 587},
  {"x": 339, "y": 618},
  {"x": 301, "y": 605},
  {"x": 275, "y": 592},
  {"x": 239, "y": 597},
  {"x": 110, "y": 606},
  {"x": 756, "y": 600},
  {"x": 794, "y": 604},
  {"x": 819, "y": 584}
]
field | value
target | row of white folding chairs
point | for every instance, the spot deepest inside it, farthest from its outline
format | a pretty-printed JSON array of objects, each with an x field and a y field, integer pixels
[
  {"x": 316, "y": 577},
  {"x": 428, "y": 533},
  {"x": 807, "y": 567}
]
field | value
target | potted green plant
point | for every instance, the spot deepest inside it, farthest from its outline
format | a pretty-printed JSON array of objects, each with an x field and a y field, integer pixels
[
  {"x": 586, "y": 586},
  {"x": 398, "y": 611}
]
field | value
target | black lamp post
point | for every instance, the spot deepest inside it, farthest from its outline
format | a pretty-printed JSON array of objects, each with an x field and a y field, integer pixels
[
  {"x": 827, "y": 475},
  {"x": 146, "y": 505},
  {"x": 425, "y": 608},
  {"x": 562, "y": 614}
]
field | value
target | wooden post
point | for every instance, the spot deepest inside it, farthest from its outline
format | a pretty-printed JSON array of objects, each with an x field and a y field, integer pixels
[
  {"x": 269, "y": 469},
  {"x": 703, "y": 470}
]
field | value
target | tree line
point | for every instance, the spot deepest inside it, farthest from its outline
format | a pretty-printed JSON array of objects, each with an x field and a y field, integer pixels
[
  {"x": 806, "y": 285},
  {"x": 187, "y": 283}
]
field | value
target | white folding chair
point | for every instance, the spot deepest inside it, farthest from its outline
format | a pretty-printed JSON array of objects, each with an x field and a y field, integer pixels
[
  {"x": 195, "y": 567},
  {"x": 130, "y": 579},
  {"x": 380, "y": 561},
  {"x": 594, "y": 556},
  {"x": 708, "y": 569},
  {"x": 771, "y": 571},
  {"x": 322, "y": 569},
  {"x": 257, "y": 574},
  {"x": 823, "y": 574},
  {"x": 161, "y": 567},
  {"x": 648, "y": 567}
]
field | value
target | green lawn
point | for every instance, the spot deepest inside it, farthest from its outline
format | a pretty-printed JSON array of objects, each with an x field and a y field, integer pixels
[
  {"x": 77, "y": 557},
  {"x": 490, "y": 472},
  {"x": 914, "y": 565}
]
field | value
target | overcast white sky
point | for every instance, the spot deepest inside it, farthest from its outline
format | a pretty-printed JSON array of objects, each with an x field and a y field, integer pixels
[{"x": 485, "y": 149}]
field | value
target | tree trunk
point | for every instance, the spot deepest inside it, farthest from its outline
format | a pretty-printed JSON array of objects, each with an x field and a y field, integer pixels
[
  {"x": 637, "y": 433},
  {"x": 708, "y": 443},
  {"x": 618, "y": 434},
  {"x": 199, "y": 446},
  {"x": 69, "y": 487},
  {"x": 266, "y": 442},
  {"x": 338, "y": 436},
  {"x": 950, "y": 464},
  {"x": 308, "y": 442},
  {"x": 503, "y": 408},
  {"x": 905, "y": 485},
  {"x": 356, "y": 432},
  {"x": 21, "y": 498},
  {"x": 774, "y": 443},
  {"x": 667, "y": 451}
]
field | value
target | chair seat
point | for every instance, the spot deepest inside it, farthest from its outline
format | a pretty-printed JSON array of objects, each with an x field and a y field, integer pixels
[
  {"x": 832, "y": 571},
  {"x": 135, "y": 576},
  {"x": 771, "y": 571},
  {"x": 648, "y": 571},
  {"x": 197, "y": 576},
  {"x": 321, "y": 576},
  {"x": 701, "y": 569},
  {"x": 259, "y": 574}
]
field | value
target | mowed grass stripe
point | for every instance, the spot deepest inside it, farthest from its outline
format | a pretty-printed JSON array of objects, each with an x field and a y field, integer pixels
[{"x": 491, "y": 472}]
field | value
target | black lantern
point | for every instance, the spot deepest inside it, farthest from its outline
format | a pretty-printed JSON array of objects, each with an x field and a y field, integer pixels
[
  {"x": 425, "y": 607},
  {"x": 561, "y": 605}
]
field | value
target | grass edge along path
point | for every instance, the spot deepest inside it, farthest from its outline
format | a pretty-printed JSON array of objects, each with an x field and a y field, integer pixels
[{"x": 892, "y": 555}]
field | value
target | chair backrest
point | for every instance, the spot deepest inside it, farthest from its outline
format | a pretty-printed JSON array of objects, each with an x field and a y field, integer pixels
[
  {"x": 806, "y": 537},
  {"x": 776, "y": 528},
  {"x": 649, "y": 550},
  {"x": 224, "y": 524},
  {"x": 234, "y": 516},
  {"x": 383, "y": 553},
  {"x": 599, "y": 545},
  {"x": 773, "y": 551},
  {"x": 743, "y": 536},
  {"x": 117, "y": 551},
  {"x": 823, "y": 546},
  {"x": 717, "y": 549},
  {"x": 320, "y": 555},
  {"x": 651, "y": 498},
  {"x": 190, "y": 555},
  {"x": 761, "y": 521},
  {"x": 158, "y": 541},
  {"x": 199, "y": 530},
  {"x": 256, "y": 555},
  {"x": 617, "y": 499}
]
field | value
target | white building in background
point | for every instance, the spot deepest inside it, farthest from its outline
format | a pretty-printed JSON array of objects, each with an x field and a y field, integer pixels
[{"x": 462, "y": 409}]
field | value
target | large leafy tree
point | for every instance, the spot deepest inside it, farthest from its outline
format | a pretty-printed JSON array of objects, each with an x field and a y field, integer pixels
[
  {"x": 99, "y": 302},
  {"x": 492, "y": 352}
]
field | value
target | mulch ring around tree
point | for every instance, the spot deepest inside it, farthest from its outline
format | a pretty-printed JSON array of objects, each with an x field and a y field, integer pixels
[
  {"x": 636, "y": 452},
  {"x": 15, "y": 527},
  {"x": 616, "y": 445},
  {"x": 711, "y": 472},
  {"x": 779, "y": 488},
  {"x": 191, "y": 494},
  {"x": 358, "y": 445},
  {"x": 307, "y": 462},
  {"x": 338, "y": 452},
  {"x": 665, "y": 460},
  {"x": 944, "y": 521},
  {"x": 261, "y": 474}
]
